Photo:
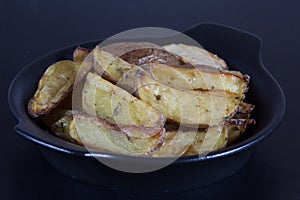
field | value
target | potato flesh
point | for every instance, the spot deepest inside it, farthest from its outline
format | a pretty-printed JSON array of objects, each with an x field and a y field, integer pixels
[
  {"x": 53, "y": 87},
  {"x": 193, "y": 78},
  {"x": 98, "y": 134},
  {"x": 188, "y": 107},
  {"x": 107, "y": 101}
]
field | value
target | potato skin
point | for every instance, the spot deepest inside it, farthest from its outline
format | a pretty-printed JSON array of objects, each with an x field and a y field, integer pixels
[
  {"x": 143, "y": 53},
  {"x": 53, "y": 87},
  {"x": 191, "y": 108},
  {"x": 145, "y": 56}
]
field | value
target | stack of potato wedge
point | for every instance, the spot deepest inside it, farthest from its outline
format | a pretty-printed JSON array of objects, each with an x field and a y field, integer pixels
[{"x": 143, "y": 99}]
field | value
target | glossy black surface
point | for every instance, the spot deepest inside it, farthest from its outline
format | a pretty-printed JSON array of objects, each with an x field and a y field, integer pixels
[{"x": 30, "y": 29}]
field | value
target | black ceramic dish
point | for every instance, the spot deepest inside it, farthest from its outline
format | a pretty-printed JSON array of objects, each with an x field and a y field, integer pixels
[{"x": 238, "y": 48}]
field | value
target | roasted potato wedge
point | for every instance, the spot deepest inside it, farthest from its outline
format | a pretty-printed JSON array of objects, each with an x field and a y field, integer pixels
[
  {"x": 98, "y": 134},
  {"x": 212, "y": 139},
  {"x": 176, "y": 143},
  {"x": 193, "y": 108},
  {"x": 196, "y": 55},
  {"x": 103, "y": 99},
  {"x": 53, "y": 87},
  {"x": 80, "y": 54},
  {"x": 193, "y": 78},
  {"x": 109, "y": 66}
]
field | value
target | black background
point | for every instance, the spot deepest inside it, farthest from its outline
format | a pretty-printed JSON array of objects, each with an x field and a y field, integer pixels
[{"x": 29, "y": 29}]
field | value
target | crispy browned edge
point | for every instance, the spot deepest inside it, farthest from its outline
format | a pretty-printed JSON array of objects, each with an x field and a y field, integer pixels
[
  {"x": 50, "y": 108},
  {"x": 245, "y": 77}
]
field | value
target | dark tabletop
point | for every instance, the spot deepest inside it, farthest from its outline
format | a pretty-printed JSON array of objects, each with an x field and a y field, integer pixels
[{"x": 29, "y": 29}]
